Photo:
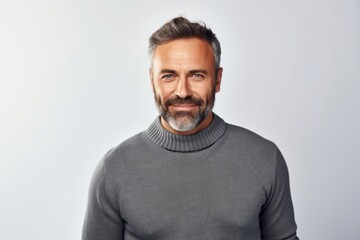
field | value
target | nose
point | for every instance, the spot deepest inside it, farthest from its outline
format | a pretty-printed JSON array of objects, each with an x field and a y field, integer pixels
[{"x": 183, "y": 89}]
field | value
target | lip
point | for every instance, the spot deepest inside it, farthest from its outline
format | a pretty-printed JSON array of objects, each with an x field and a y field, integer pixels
[{"x": 183, "y": 107}]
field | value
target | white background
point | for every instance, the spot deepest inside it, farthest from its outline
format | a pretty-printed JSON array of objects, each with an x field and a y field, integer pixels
[{"x": 74, "y": 83}]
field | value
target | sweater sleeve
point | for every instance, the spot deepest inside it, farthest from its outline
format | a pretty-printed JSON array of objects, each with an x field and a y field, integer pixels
[
  {"x": 277, "y": 215},
  {"x": 102, "y": 220}
]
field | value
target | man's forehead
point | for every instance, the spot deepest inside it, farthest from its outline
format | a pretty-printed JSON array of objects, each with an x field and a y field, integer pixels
[
  {"x": 183, "y": 44},
  {"x": 187, "y": 51}
]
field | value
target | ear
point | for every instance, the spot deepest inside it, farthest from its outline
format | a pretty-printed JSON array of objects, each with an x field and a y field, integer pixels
[
  {"x": 219, "y": 77},
  {"x": 151, "y": 75}
]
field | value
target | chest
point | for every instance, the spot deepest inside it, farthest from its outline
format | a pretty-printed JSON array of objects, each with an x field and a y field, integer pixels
[{"x": 192, "y": 198}]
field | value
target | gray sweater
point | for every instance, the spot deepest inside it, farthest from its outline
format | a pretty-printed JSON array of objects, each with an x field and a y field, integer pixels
[{"x": 223, "y": 183}]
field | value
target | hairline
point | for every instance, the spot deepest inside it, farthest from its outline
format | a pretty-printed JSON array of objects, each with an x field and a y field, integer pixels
[{"x": 214, "y": 49}]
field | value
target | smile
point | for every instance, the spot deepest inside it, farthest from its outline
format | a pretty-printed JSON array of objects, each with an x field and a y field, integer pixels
[{"x": 183, "y": 107}]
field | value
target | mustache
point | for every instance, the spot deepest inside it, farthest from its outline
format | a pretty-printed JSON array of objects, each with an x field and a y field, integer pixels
[{"x": 187, "y": 100}]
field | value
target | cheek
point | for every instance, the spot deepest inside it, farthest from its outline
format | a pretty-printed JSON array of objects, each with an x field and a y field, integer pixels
[
  {"x": 203, "y": 90},
  {"x": 163, "y": 91}
]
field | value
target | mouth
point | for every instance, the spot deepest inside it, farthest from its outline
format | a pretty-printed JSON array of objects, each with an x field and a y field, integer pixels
[{"x": 183, "y": 107}]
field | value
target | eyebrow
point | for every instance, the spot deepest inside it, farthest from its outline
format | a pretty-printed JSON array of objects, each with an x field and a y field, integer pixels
[
  {"x": 167, "y": 71},
  {"x": 198, "y": 71},
  {"x": 190, "y": 72}
]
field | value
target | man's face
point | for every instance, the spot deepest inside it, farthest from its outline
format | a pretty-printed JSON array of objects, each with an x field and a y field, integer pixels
[{"x": 184, "y": 81}]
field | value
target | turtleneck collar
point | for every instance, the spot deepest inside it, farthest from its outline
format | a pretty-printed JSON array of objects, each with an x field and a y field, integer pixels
[{"x": 186, "y": 143}]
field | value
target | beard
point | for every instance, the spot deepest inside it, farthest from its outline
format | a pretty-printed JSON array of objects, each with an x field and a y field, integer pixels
[{"x": 185, "y": 120}]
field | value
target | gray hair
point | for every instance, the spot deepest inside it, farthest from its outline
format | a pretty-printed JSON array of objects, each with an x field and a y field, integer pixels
[{"x": 181, "y": 27}]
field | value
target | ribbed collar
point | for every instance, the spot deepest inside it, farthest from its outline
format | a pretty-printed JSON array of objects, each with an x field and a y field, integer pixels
[{"x": 186, "y": 143}]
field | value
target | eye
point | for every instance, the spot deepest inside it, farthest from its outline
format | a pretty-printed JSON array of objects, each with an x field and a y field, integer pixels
[
  {"x": 197, "y": 76},
  {"x": 167, "y": 77}
]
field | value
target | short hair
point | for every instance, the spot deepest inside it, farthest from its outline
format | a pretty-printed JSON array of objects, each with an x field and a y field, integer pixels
[{"x": 181, "y": 27}]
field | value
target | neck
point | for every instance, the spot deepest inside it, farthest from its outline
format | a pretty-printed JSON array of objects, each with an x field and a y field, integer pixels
[
  {"x": 186, "y": 143},
  {"x": 206, "y": 122}
]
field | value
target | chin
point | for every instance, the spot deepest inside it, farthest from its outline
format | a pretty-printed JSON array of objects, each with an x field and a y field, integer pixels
[{"x": 183, "y": 125}]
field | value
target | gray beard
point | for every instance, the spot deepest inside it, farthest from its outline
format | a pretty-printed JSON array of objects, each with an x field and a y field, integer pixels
[
  {"x": 187, "y": 124},
  {"x": 183, "y": 126},
  {"x": 185, "y": 121}
]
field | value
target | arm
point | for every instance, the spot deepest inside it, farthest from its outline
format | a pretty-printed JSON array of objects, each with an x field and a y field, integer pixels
[
  {"x": 277, "y": 215},
  {"x": 102, "y": 220}
]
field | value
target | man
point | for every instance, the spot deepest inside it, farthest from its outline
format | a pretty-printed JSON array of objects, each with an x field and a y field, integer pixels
[{"x": 190, "y": 175}]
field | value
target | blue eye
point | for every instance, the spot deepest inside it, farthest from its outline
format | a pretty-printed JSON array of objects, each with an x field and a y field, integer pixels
[
  {"x": 168, "y": 77},
  {"x": 197, "y": 76}
]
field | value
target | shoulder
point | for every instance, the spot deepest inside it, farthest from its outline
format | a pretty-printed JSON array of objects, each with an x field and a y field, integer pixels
[
  {"x": 252, "y": 148},
  {"x": 246, "y": 137},
  {"x": 130, "y": 145},
  {"x": 256, "y": 153},
  {"x": 118, "y": 158}
]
